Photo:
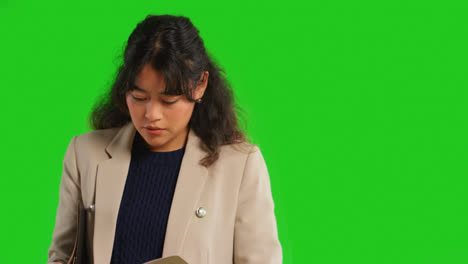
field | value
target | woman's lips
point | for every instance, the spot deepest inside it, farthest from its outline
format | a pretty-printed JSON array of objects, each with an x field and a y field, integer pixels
[{"x": 154, "y": 131}]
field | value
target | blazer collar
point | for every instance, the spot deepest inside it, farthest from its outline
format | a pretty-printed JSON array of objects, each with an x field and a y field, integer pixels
[{"x": 110, "y": 182}]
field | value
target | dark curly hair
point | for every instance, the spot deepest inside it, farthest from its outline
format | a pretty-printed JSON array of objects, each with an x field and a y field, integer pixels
[{"x": 174, "y": 47}]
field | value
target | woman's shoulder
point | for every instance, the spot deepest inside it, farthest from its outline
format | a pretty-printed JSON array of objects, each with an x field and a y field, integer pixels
[
  {"x": 239, "y": 149},
  {"x": 99, "y": 135},
  {"x": 95, "y": 139},
  {"x": 235, "y": 157}
]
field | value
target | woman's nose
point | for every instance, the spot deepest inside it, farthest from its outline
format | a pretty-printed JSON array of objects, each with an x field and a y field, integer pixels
[{"x": 153, "y": 111}]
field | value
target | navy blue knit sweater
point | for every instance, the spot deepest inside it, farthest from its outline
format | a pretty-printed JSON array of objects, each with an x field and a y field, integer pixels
[{"x": 145, "y": 205}]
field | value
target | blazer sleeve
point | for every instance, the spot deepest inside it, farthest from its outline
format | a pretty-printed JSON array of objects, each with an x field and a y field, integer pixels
[
  {"x": 255, "y": 231},
  {"x": 64, "y": 233}
]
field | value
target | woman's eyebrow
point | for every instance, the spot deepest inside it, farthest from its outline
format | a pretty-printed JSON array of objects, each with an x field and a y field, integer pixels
[
  {"x": 143, "y": 90},
  {"x": 139, "y": 89}
]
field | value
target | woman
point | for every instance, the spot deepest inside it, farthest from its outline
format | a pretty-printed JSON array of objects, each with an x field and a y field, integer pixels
[{"x": 166, "y": 170}]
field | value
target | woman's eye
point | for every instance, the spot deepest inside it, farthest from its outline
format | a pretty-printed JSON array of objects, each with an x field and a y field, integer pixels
[
  {"x": 166, "y": 102},
  {"x": 138, "y": 99}
]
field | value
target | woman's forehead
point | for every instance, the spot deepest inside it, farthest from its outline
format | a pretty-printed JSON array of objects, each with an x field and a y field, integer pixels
[
  {"x": 152, "y": 81},
  {"x": 148, "y": 78}
]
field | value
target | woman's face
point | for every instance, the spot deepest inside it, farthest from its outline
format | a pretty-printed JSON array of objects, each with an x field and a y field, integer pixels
[{"x": 150, "y": 108}]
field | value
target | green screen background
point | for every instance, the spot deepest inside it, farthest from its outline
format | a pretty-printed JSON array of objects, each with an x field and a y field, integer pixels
[{"x": 359, "y": 108}]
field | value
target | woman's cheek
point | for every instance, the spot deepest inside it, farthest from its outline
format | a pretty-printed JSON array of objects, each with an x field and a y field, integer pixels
[
  {"x": 129, "y": 104},
  {"x": 185, "y": 112}
]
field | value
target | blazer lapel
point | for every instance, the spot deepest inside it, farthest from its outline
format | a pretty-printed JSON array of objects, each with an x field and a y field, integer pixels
[
  {"x": 189, "y": 186},
  {"x": 110, "y": 183}
]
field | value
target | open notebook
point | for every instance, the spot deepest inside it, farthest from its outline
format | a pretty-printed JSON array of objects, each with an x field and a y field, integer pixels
[{"x": 168, "y": 260}]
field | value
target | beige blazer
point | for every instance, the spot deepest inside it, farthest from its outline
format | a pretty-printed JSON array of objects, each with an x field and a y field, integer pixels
[{"x": 239, "y": 225}]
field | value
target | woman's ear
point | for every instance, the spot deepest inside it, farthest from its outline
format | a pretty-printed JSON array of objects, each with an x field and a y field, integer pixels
[{"x": 201, "y": 85}]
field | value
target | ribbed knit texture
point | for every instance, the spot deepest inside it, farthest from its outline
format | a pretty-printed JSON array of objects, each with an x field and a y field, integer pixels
[{"x": 145, "y": 205}]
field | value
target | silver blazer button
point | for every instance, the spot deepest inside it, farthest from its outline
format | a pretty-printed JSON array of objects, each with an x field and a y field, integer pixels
[
  {"x": 91, "y": 208},
  {"x": 201, "y": 212}
]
